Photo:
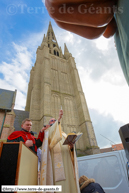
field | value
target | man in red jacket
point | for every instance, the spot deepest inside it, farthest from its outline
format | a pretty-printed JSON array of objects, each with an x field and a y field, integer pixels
[{"x": 27, "y": 136}]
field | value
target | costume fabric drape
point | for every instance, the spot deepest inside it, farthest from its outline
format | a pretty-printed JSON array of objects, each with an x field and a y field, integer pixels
[{"x": 57, "y": 167}]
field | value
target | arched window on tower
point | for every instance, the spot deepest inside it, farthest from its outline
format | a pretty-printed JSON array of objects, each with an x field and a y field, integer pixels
[
  {"x": 54, "y": 45},
  {"x": 56, "y": 53}
]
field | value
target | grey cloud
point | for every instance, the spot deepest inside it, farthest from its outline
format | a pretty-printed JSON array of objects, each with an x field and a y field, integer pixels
[
  {"x": 98, "y": 62},
  {"x": 105, "y": 125}
]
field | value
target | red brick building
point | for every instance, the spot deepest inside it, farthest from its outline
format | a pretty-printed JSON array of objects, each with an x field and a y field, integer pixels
[{"x": 115, "y": 147}]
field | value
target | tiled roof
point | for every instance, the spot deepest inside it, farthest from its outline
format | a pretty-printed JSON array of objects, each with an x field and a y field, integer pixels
[
  {"x": 20, "y": 116},
  {"x": 117, "y": 147},
  {"x": 7, "y": 98}
]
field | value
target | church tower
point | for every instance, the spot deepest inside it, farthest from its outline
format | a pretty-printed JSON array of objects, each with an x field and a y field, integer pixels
[{"x": 55, "y": 83}]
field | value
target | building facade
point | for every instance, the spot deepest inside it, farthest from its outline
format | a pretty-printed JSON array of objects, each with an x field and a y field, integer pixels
[
  {"x": 10, "y": 118},
  {"x": 115, "y": 147},
  {"x": 7, "y": 115},
  {"x": 55, "y": 84}
]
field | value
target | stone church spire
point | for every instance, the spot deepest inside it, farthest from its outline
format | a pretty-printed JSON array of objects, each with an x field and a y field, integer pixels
[
  {"x": 67, "y": 54},
  {"x": 44, "y": 39},
  {"x": 50, "y": 34},
  {"x": 44, "y": 42},
  {"x": 51, "y": 42},
  {"x": 65, "y": 49},
  {"x": 55, "y": 83}
]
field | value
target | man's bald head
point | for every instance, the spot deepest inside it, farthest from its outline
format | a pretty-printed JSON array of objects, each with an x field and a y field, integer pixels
[{"x": 52, "y": 121}]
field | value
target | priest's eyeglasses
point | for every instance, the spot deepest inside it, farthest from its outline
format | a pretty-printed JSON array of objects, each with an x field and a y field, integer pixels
[{"x": 53, "y": 120}]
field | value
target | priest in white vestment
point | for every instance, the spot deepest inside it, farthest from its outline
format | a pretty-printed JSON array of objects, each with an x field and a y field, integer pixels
[{"x": 58, "y": 162}]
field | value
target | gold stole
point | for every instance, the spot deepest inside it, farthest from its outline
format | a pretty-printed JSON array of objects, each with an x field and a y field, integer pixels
[
  {"x": 71, "y": 154},
  {"x": 58, "y": 164},
  {"x": 58, "y": 161},
  {"x": 46, "y": 177}
]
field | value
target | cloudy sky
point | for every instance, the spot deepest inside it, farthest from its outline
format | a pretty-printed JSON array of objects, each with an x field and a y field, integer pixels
[{"x": 22, "y": 26}]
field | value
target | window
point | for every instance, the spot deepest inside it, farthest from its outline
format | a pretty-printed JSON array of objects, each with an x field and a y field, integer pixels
[
  {"x": 101, "y": 168},
  {"x": 56, "y": 53}
]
